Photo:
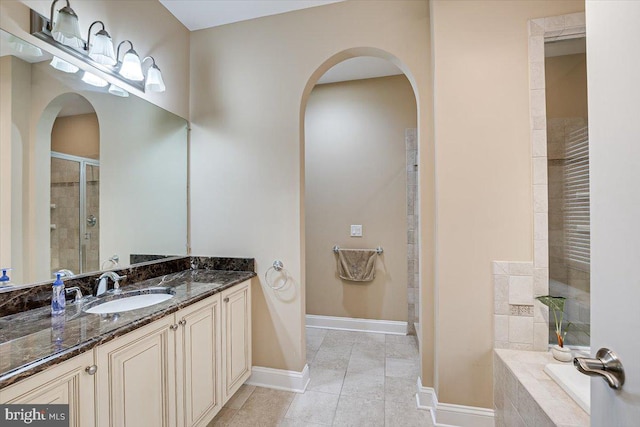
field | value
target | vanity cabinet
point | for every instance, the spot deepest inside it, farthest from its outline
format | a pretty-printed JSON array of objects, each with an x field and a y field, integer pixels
[
  {"x": 68, "y": 382},
  {"x": 135, "y": 381},
  {"x": 236, "y": 335},
  {"x": 175, "y": 372},
  {"x": 199, "y": 355}
]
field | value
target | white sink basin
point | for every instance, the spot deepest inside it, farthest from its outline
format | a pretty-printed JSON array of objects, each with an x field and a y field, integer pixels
[{"x": 127, "y": 303}]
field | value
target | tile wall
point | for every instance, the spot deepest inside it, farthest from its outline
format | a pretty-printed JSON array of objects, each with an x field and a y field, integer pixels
[
  {"x": 412, "y": 229},
  {"x": 520, "y": 322}
]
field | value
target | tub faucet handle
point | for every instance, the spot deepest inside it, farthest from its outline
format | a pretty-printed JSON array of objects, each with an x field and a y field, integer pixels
[{"x": 606, "y": 364}]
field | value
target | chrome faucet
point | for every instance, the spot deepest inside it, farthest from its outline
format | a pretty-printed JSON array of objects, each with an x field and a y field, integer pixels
[
  {"x": 64, "y": 273},
  {"x": 78, "y": 297},
  {"x": 103, "y": 286}
]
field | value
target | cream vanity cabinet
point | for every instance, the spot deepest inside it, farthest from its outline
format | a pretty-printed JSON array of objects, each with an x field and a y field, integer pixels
[
  {"x": 236, "y": 336},
  {"x": 68, "y": 382},
  {"x": 177, "y": 371}
]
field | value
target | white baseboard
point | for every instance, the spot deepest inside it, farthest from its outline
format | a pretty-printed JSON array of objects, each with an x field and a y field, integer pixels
[
  {"x": 449, "y": 415},
  {"x": 280, "y": 379},
  {"x": 392, "y": 327}
]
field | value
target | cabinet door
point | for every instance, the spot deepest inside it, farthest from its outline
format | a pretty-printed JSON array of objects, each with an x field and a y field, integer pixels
[
  {"x": 136, "y": 377},
  {"x": 199, "y": 362},
  {"x": 65, "y": 383},
  {"x": 236, "y": 336}
]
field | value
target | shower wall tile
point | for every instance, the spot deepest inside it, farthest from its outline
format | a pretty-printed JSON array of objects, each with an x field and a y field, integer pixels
[
  {"x": 515, "y": 307},
  {"x": 413, "y": 300}
]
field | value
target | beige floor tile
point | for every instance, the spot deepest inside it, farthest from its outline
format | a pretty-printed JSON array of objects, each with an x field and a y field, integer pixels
[
  {"x": 370, "y": 337},
  {"x": 369, "y": 350},
  {"x": 316, "y": 332},
  {"x": 401, "y": 339},
  {"x": 402, "y": 368},
  {"x": 335, "y": 337},
  {"x": 297, "y": 423},
  {"x": 402, "y": 351},
  {"x": 314, "y": 342},
  {"x": 223, "y": 418},
  {"x": 400, "y": 389},
  {"x": 363, "y": 385},
  {"x": 313, "y": 406},
  {"x": 356, "y": 412},
  {"x": 405, "y": 414},
  {"x": 264, "y": 407},
  {"x": 336, "y": 358},
  {"x": 311, "y": 355},
  {"x": 240, "y": 397},
  {"x": 326, "y": 380},
  {"x": 374, "y": 367}
]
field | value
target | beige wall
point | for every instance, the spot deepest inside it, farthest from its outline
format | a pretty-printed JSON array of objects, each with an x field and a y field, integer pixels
[
  {"x": 250, "y": 82},
  {"x": 566, "y": 86},
  {"x": 152, "y": 29},
  {"x": 484, "y": 187},
  {"x": 355, "y": 165},
  {"x": 77, "y": 135}
]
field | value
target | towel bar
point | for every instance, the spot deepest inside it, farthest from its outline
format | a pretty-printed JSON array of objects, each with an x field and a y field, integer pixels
[{"x": 378, "y": 250}]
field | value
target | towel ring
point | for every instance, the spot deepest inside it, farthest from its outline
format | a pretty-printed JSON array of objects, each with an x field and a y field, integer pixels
[{"x": 277, "y": 266}]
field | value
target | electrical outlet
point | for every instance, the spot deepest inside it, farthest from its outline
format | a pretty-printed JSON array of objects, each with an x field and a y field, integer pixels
[{"x": 356, "y": 231}]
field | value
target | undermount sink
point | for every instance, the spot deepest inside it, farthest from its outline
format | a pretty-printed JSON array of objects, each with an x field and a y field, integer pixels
[{"x": 126, "y": 301}]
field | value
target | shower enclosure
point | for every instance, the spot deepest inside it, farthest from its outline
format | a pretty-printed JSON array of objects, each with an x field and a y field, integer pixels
[{"x": 75, "y": 229}]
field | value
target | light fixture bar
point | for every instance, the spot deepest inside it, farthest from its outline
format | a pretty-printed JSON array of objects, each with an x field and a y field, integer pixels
[{"x": 39, "y": 25}]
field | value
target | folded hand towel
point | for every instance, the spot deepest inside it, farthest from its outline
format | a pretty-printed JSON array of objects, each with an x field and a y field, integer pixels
[{"x": 357, "y": 265}]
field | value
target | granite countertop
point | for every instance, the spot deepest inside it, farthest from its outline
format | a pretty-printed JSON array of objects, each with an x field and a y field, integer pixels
[{"x": 29, "y": 343}]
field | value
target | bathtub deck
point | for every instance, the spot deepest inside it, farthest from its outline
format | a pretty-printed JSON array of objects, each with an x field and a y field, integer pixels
[{"x": 526, "y": 395}]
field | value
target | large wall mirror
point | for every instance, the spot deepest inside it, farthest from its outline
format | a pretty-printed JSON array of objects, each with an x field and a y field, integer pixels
[{"x": 90, "y": 175}]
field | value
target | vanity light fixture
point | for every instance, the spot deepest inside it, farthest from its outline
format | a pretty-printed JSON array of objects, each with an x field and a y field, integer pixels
[
  {"x": 62, "y": 65},
  {"x": 93, "y": 80},
  {"x": 131, "y": 67},
  {"x": 118, "y": 91},
  {"x": 154, "y": 81},
  {"x": 65, "y": 29},
  {"x": 63, "y": 33},
  {"x": 101, "y": 50}
]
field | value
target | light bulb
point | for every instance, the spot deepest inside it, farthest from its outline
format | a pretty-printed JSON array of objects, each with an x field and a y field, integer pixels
[
  {"x": 63, "y": 65},
  {"x": 154, "y": 82},
  {"x": 101, "y": 49},
  {"x": 93, "y": 80},
  {"x": 131, "y": 67},
  {"x": 66, "y": 28}
]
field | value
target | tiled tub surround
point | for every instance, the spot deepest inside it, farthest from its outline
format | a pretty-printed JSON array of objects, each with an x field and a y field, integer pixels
[
  {"x": 27, "y": 339},
  {"x": 524, "y": 395},
  {"x": 520, "y": 322}
]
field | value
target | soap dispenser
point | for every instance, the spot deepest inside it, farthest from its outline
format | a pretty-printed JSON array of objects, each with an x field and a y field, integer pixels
[
  {"x": 5, "y": 281},
  {"x": 58, "y": 297}
]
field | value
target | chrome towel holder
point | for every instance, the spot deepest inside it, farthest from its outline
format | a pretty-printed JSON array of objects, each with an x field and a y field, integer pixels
[
  {"x": 378, "y": 250},
  {"x": 277, "y": 266}
]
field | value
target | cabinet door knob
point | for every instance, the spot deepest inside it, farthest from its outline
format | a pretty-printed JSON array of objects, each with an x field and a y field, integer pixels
[
  {"x": 182, "y": 322},
  {"x": 91, "y": 369},
  {"x": 173, "y": 327},
  {"x": 226, "y": 299}
]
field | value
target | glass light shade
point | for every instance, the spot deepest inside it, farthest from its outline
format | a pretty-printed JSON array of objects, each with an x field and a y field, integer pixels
[
  {"x": 62, "y": 65},
  {"x": 23, "y": 47},
  {"x": 131, "y": 67},
  {"x": 66, "y": 29},
  {"x": 93, "y": 80},
  {"x": 118, "y": 91},
  {"x": 154, "y": 82},
  {"x": 101, "y": 49}
]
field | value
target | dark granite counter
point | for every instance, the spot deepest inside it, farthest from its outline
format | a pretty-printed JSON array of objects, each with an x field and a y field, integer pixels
[{"x": 30, "y": 342}]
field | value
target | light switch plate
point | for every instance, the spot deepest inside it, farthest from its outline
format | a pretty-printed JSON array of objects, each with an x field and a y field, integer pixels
[{"x": 356, "y": 231}]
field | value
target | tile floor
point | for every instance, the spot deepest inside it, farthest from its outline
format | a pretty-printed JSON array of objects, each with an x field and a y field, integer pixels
[{"x": 357, "y": 379}]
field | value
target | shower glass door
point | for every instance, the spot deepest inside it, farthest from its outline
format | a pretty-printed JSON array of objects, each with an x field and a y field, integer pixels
[{"x": 75, "y": 195}]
